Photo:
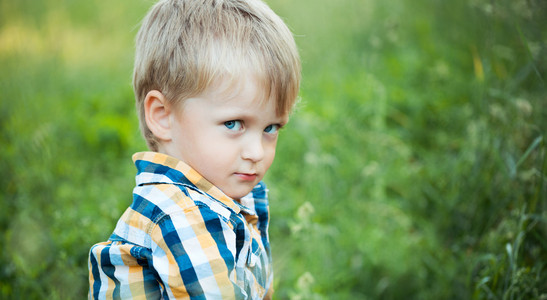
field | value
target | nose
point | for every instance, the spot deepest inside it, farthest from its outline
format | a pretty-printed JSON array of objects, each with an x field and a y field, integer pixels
[{"x": 253, "y": 149}]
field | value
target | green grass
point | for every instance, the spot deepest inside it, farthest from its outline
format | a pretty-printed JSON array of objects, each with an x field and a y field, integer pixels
[{"x": 413, "y": 168}]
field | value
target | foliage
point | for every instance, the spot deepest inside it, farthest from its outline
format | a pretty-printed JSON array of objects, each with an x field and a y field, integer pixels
[{"x": 414, "y": 166}]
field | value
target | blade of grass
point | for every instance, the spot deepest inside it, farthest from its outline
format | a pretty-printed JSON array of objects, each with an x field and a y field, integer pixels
[
  {"x": 525, "y": 42},
  {"x": 531, "y": 148}
]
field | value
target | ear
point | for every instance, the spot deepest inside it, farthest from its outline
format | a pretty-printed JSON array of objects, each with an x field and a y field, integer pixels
[{"x": 157, "y": 113}]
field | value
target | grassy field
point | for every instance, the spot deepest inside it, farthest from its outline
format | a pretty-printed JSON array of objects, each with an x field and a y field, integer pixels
[{"x": 415, "y": 166}]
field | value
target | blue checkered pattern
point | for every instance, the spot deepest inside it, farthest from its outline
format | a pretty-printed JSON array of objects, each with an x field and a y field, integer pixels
[{"x": 182, "y": 238}]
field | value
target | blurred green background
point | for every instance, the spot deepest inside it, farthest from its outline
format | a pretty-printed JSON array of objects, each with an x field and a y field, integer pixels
[{"x": 413, "y": 168}]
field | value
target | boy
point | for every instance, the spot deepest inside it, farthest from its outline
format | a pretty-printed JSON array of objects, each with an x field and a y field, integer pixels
[{"x": 214, "y": 82}]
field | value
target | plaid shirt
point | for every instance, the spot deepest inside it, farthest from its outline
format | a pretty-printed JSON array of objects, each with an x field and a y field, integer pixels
[{"x": 183, "y": 238}]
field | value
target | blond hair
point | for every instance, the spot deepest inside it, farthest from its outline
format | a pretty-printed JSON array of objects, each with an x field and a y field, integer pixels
[{"x": 183, "y": 46}]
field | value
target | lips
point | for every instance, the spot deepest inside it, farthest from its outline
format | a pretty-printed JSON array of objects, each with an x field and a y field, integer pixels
[{"x": 246, "y": 176}]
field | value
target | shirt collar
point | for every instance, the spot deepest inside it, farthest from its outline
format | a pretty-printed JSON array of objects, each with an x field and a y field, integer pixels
[{"x": 162, "y": 168}]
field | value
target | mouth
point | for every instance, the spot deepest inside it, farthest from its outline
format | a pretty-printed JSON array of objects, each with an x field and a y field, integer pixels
[{"x": 246, "y": 176}]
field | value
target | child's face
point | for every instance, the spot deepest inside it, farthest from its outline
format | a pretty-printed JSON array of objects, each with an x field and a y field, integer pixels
[{"x": 227, "y": 135}]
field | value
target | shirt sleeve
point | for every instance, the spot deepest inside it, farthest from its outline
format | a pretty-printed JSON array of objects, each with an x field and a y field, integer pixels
[
  {"x": 193, "y": 255},
  {"x": 118, "y": 270}
]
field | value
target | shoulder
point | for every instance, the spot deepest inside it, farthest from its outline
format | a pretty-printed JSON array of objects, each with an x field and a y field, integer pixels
[
  {"x": 155, "y": 200},
  {"x": 152, "y": 203},
  {"x": 168, "y": 207}
]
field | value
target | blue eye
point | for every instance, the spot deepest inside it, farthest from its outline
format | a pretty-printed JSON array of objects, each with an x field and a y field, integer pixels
[
  {"x": 233, "y": 125},
  {"x": 272, "y": 128}
]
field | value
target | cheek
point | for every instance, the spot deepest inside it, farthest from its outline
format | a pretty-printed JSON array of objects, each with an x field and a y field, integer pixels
[
  {"x": 219, "y": 151},
  {"x": 269, "y": 157},
  {"x": 207, "y": 148},
  {"x": 210, "y": 142}
]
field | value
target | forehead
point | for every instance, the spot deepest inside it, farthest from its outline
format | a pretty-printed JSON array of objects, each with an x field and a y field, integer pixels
[
  {"x": 245, "y": 89},
  {"x": 242, "y": 99},
  {"x": 227, "y": 69}
]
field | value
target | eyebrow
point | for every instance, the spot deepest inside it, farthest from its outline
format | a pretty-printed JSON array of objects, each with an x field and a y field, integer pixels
[{"x": 237, "y": 114}]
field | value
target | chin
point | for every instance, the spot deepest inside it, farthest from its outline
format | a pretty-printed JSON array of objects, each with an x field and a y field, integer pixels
[{"x": 239, "y": 194}]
